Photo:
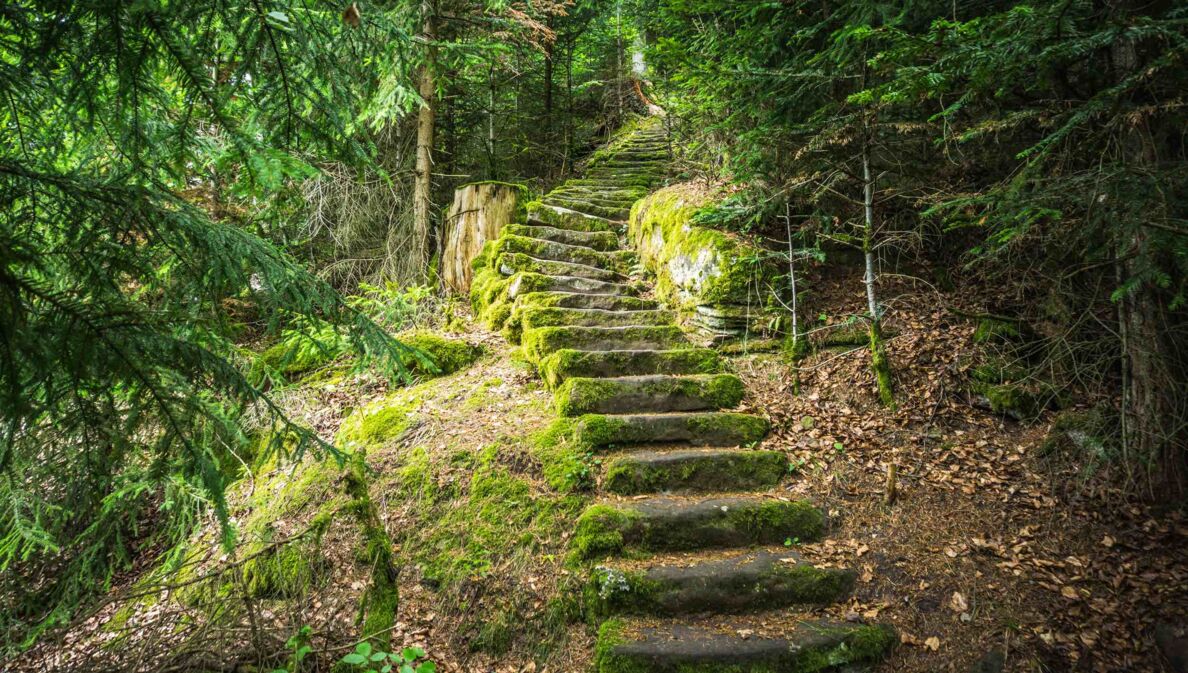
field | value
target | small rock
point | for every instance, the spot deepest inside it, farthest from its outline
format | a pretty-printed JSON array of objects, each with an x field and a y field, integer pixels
[{"x": 991, "y": 662}]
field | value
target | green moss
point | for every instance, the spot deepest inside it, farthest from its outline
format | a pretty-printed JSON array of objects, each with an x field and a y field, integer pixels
[
  {"x": 289, "y": 571},
  {"x": 992, "y": 330},
  {"x": 378, "y": 422},
  {"x": 746, "y": 427},
  {"x": 600, "y": 530},
  {"x": 448, "y": 355},
  {"x": 881, "y": 367},
  {"x": 1021, "y": 402},
  {"x": 566, "y": 462},
  {"x": 862, "y": 644},
  {"x": 381, "y": 599},
  {"x": 766, "y": 522}
]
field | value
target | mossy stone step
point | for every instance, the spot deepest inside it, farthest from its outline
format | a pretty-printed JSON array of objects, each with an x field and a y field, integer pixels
[
  {"x": 579, "y": 300},
  {"x": 603, "y": 241},
  {"x": 704, "y": 470},
  {"x": 585, "y": 199},
  {"x": 560, "y": 252},
  {"x": 609, "y": 212},
  {"x": 549, "y": 316},
  {"x": 647, "y": 394},
  {"x": 564, "y": 218},
  {"x": 566, "y": 363},
  {"x": 748, "y": 582},
  {"x": 805, "y": 647},
  {"x": 541, "y": 341},
  {"x": 511, "y": 263},
  {"x": 675, "y": 524},
  {"x": 601, "y": 194},
  {"x": 699, "y": 428},
  {"x": 523, "y": 283}
]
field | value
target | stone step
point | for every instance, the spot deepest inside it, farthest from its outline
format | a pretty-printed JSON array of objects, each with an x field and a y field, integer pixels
[
  {"x": 603, "y": 189},
  {"x": 564, "y": 218},
  {"x": 524, "y": 283},
  {"x": 657, "y": 166},
  {"x": 609, "y": 212},
  {"x": 699, "y": 428},
  {"x": 732, "y": 584},
  {"x": 567, "y": 363},
  {"x": 679, "y": 524},
  {"x": 511, "y": 263},
  {"x": 549, "y": 316},
  {"x": 648, "y": 394},
  {"x": 603, "y": 241},
  {"x": 561, "y": 252},
  {"x": 700, "y": 470},
  {"x": 589, "y": 198},
  {"x": 579, "y": 300},
  {"x": 541, "y": 341},
  {"x": 740, "y": 645}
]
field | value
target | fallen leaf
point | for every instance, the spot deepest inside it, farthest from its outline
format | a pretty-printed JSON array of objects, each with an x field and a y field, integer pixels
[
  {"x": 957, "y": 602},
  {"x": 932, "y": 643}
]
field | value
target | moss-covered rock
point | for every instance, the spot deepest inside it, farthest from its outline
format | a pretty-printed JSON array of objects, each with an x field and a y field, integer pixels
[
  {"x": 448, "y": 355},
  {"x": 694, "y": 266}
]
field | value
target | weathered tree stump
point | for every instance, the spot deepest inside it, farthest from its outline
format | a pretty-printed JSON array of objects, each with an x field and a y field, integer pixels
[{"x": 477, "y": 215}]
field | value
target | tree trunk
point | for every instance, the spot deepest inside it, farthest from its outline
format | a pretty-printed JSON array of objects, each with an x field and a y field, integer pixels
[
  {"x": 550, "y": 49},
  {"x": 492, "y": 170},
  {"x": 1148, "y": 393},
  {"x": 478, "y": 215},
  {"x": 423, "y": 182},
  {"x": 879, "y": 363}
]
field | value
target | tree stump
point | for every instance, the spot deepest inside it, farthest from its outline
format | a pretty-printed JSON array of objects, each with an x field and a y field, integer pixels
[{"x": 477, "y": 215}]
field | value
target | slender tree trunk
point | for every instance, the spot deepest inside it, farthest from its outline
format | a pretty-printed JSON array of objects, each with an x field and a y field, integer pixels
[
  {"x": 492, "y": 172},
  {"x": 423, "y": 181},
  {"x": 550, "y": 49},
  {"x": 797, "y": 346},
  {"x": 568, "y": 140},
  {"x": 879, "y": 363},
  {"x": 619, "y": 55}
]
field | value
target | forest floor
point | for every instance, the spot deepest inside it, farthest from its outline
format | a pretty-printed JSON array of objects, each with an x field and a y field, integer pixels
[{"x": 990, "y": 545}]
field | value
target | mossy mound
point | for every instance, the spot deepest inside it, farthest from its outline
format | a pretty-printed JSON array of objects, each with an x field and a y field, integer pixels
[
  {"x": 694, "y": 266},
  {"x": 448, "y": 355}
]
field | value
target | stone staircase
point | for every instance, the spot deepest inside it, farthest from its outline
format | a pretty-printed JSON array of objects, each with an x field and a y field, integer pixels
[{"x": 691, "y": 563}]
